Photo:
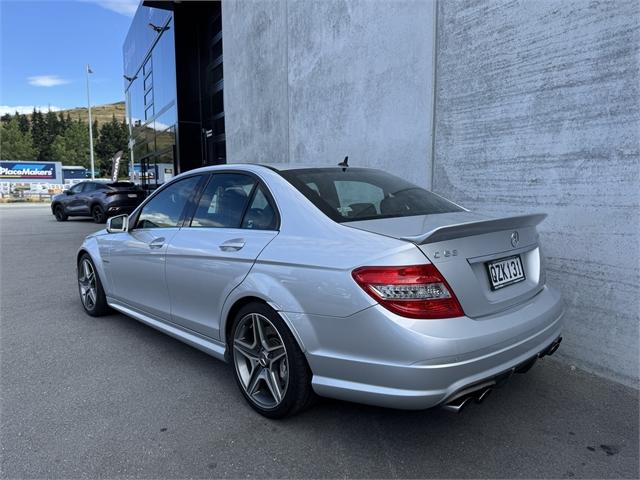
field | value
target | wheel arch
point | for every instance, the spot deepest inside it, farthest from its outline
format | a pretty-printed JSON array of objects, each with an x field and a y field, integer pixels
[
  {"x": 82, "y": 252},
  {"x": 55, "y": 204},
  {"x": 90, "y": 247},
  {"x": 233, "y": 311},
  {"x": 232, "y": 308}
]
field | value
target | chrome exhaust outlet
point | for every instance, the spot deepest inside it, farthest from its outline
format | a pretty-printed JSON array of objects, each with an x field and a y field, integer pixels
[
  {"x": 555, "y": 346},
  {"x": 551, "y": 349},
  {"x": 464, "y": 397},
  {"x": 480, "y": 392},
  {"x": 483, "y": 395},
  {"x": 457, "y": 405}
]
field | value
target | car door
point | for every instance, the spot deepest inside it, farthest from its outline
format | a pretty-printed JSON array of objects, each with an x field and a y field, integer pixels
[
  {"x": 85, "y": 198},
  {"x": 75, "y": 199},
  {"x": 234, "y": 220},
  {"x": 136, "y": 259}
]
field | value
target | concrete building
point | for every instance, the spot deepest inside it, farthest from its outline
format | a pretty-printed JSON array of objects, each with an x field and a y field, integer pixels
[{"x": 504, "y": 107}]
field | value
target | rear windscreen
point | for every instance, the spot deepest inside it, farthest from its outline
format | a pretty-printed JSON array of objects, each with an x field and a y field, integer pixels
[{"x": 365, "y": 194}]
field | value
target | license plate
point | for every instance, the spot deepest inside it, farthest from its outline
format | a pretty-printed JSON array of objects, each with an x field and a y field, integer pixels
[
  {"x": 505, "y": 271},
  {"x": 132, "y": 195}
]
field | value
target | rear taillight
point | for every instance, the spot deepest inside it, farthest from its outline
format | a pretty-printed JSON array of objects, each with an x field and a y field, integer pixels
[{"x": 415, "y": 291}]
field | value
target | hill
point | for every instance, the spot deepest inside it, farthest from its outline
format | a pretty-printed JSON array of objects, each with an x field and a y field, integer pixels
[{"x": 101, "y": 113}]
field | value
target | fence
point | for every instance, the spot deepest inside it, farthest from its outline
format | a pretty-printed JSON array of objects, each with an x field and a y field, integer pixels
[{"x": 32, "y": 191}]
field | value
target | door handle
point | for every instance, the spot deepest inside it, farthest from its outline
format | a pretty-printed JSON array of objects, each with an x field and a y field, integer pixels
[
  {"x": 232, "y": 245},
  {"x": 157, "y": 243}
]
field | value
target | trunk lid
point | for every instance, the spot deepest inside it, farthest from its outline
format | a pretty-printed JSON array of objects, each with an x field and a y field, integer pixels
[{"x": 461, "y": 244}]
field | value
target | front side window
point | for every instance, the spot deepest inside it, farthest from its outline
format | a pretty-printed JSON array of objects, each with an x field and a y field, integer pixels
[
  {"x": 165, "y": 209},
  {"x": 77, "y": 188},
  {"x": 365, "y": 194},
  {"x": 89, "y": 187},
  {"x": 224, "y": 201}
]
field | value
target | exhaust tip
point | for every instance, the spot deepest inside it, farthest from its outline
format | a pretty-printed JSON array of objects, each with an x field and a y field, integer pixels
[
  {"x": 457, "y": 405},
  {"x": 483, "y": 395},
  {"x": 555, "y": 346},
  {"x": 551, "y": 349}
]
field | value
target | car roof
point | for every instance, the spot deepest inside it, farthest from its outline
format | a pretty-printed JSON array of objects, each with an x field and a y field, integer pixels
[
  {"x": 108, "y": 182},
  {"x": 281, "y": 167},
  {"x": 296, "y": 166}
]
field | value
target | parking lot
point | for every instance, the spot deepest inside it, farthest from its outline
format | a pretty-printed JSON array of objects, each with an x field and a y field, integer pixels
[{"x": 110, "y": 397}]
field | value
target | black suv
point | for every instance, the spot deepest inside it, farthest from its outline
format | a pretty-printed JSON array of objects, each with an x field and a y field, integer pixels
[{"x": 99, "y": 200}]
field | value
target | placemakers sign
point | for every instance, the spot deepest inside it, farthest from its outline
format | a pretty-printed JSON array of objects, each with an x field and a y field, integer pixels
[{"x": 20, "y": 171}]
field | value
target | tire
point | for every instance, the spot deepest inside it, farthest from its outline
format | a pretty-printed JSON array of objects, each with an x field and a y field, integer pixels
[
  {"x": 88, "y": 280},
  {"x": 60, "y": 214},
  {"x": 97, "y": 212},
  {"x": 271, "y": 389}
]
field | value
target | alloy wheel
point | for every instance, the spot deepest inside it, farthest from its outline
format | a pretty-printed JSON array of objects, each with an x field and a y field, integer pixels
[
  {"x": 260, "y": 359},
  {"x": 98, "y": 215},
  {"x": 59, "y": 213},
  {"x": 87, "y": 284}
]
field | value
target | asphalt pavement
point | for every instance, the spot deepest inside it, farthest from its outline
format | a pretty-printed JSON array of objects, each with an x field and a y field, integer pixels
[{"x": 108, "y": 398}]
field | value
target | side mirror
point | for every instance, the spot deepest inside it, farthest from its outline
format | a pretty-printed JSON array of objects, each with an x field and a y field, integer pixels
[
  {"x": 118, "y": 224},
  {"x": 68, "y": 192}
]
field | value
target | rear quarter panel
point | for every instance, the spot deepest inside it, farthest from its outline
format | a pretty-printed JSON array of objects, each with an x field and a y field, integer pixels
[{"x": 307, "y": 267}]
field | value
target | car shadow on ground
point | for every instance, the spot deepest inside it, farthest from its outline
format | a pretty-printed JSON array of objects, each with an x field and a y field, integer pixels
[{"x": 546, "y": 422}]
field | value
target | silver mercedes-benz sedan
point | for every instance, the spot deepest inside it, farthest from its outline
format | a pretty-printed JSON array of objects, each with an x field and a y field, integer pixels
[{"x": 341, "y": 282}]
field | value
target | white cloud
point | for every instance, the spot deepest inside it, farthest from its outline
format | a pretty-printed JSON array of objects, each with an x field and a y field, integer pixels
[
  {"x": 26, "y": 108},
  {"x": 123, "y": 7},
  {"x": 46, "y": 81}
]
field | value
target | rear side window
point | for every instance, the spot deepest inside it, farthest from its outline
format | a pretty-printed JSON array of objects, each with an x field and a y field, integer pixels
[
  {"x": 234, "y": 200},
  {"x": 224, "y": 201},
  {"x": 365, "y": 194},
  {"x": 261, "y": 214},
  {"x": 165, "y": 209}
]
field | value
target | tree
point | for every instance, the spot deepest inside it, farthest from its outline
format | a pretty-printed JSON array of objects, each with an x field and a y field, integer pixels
[
  {"x": 23, "y": 123},
  {"x": 96, "y": 131},
  {"x": 72, "y": 146},
  {"x": 53, "y": 124},
  {"x": 44, "y": 129},
  {"x": 39, "y": 134},
  {"x": 63, "y": 122},
  {"x": 14, "y": 144},
  {"x": 113, "y": 137}
]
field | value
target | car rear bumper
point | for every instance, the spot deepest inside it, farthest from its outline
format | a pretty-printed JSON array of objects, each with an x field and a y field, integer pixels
[{"x": 379, "y": 358}]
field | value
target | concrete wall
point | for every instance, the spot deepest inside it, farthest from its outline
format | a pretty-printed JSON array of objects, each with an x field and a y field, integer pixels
[
  {"x": 255, "y": 81},
  {"x": 537, "y": 109},
  {"x": 313, "y": 81}
]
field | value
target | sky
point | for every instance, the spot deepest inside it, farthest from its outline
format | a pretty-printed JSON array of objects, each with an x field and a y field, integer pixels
[{"x": 45, "y": 46}]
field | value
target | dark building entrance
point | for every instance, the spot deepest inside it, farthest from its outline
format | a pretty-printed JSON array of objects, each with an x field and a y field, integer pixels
[{"x": 173, "y": 67}]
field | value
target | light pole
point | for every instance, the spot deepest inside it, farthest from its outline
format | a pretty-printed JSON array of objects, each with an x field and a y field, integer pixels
[{"x": 90, "y": 125}]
